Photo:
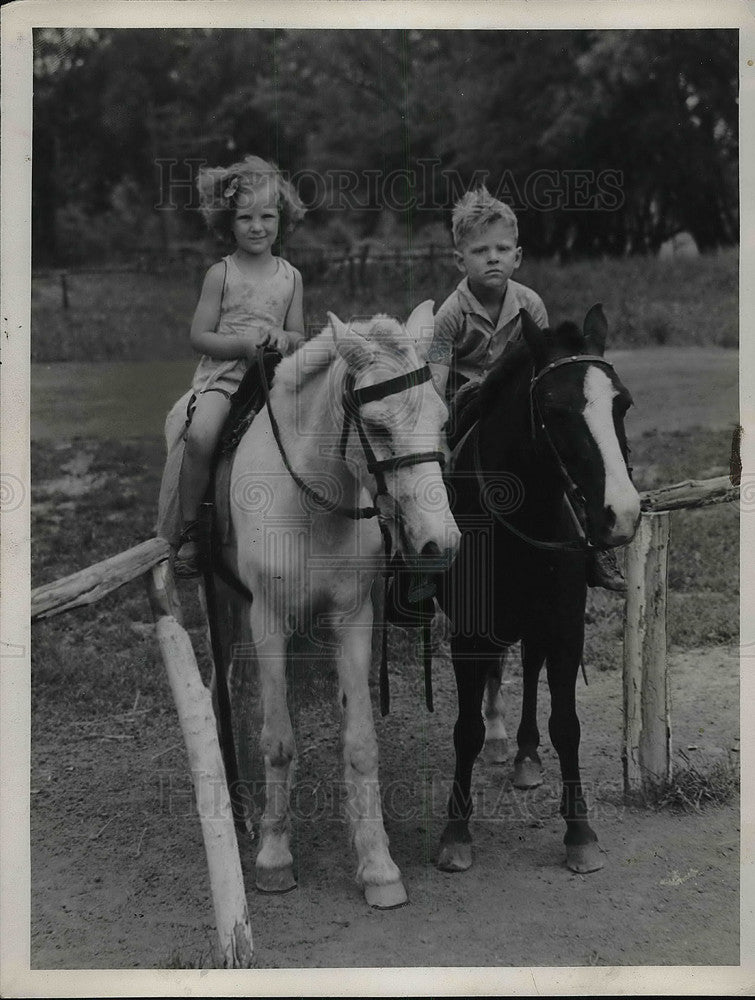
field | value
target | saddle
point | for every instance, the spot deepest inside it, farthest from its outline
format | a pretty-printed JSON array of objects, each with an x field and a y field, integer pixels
[{"x": 246, "y": 403}]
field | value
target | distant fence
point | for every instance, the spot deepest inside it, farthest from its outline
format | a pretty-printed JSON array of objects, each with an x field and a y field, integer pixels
[{"x": 359, "y": 268}]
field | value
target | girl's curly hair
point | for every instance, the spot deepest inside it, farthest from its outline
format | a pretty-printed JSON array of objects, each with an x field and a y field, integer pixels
[{"x": 222, "y": 188}]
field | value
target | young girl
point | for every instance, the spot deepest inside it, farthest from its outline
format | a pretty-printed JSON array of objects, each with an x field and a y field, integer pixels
[{"x": 249, "y": 299}]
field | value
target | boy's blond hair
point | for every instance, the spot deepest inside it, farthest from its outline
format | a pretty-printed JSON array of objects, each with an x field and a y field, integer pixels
[{"x": 476, "y": 210}]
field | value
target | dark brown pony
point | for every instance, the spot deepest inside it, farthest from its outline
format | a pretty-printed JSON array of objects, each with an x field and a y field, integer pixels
[{"x": 539, "y": 478}]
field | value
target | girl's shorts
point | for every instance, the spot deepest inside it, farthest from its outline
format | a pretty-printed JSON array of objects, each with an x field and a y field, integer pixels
[{"x": 225, "y": 378}]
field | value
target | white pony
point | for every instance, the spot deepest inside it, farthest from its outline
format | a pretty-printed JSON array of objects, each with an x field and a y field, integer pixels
[{"x": 354, "y": 426}]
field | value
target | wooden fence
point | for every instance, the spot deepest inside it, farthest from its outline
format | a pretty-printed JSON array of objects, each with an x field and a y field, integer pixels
[
  {"x": 358, "y": 268},
  {"x": 646, "y": 752},
  {"x": 196, "y": 716}
]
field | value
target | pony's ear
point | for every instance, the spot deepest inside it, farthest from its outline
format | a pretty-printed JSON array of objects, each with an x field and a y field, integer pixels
[
  {"x": 420, "y": 327},
  {"x": 338, "y": 326},
  {"x": 534, "y": 338},
  {"x": 596, "y": 329},
  {"x": 353, "y": 348}
]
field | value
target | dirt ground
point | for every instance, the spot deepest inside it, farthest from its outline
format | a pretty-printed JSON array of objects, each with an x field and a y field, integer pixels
[{"x": 119, "y": 875}]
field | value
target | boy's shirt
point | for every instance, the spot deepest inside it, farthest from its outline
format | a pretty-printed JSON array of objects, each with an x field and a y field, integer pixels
[{"x": 466, "y": 339}]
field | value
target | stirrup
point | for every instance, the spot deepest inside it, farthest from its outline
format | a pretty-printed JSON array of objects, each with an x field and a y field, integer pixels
[{"x": 187, "y": 567}]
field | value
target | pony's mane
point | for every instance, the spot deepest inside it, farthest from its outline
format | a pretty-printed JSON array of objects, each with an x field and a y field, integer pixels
[
  {"x": 385, "y": 332},
  {"x": 477, "y": 397},
  {"x": 291, "y": 376},
  {"x": 565, "y": 339},
  {"x": 506, "y": 368}
]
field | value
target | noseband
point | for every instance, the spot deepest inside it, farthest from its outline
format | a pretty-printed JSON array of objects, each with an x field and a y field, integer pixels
[
  {"x": 387, "y": 507},
  {"x": 538, "y": 431},
  {"x": 575, "y": 500}
]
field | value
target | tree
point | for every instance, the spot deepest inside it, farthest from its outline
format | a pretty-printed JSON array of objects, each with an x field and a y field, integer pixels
[
  {"x": 661, "y": 107},
  {"x": 398, "y": 119}
]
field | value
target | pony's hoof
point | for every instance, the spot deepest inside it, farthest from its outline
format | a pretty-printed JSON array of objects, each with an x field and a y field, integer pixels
[
  {"x": 584, "y": 858},
  {"x": 454, "y": 857},
  {"x": 386, "y": 897},
  {"x": 275, "y": 879},
  {"x": 527, "y": 773},
  {"x": 495, "y": 751}
]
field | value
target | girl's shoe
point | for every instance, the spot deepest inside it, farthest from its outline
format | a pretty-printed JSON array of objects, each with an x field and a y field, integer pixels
[{"x": 186, "y": 563}]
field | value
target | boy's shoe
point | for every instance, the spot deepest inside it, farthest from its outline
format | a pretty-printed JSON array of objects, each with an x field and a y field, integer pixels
[
  {"x": 186, "y": 563},
  {"x": 409, "y": 601},
  {"x": 603, "y": 570}
]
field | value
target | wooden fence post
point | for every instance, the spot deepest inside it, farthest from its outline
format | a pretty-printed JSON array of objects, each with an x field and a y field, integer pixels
[
  {"x": 646, "y": 753},
  {"x": 194, "y": 706}
]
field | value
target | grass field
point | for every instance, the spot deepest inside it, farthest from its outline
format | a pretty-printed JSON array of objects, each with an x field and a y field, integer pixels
[{"x": 146, "y": 316}]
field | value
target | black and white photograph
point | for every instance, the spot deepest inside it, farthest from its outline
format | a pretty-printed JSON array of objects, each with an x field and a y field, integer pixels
[{"x": 375, "y": 478}]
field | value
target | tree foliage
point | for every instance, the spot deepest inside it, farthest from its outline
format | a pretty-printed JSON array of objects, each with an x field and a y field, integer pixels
[{"x": 604, "y": 141}]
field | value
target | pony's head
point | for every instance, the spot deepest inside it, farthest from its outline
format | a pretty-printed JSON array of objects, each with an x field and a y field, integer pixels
[
  {"x": 578, "y": 406},
  {"x": 395, "y": 421}
]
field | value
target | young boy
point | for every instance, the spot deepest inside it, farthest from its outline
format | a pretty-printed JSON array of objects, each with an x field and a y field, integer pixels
[{"x": 480, "y": 318}]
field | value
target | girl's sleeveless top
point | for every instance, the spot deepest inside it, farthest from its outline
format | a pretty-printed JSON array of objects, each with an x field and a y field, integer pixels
[{"x": 245, "y": 303}]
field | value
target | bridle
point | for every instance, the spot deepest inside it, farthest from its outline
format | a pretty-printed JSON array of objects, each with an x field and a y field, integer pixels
[
  {"x": 575, "y": 500},
  {"x": 387, "y": 508}
]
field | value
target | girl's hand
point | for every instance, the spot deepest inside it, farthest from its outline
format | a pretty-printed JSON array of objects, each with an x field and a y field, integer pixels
[
  {"x": 251, "y": 346},
  {"x": 277, "y": 338},
  {"x": 285, "y": 341},
  {"x": 265, "y": 336}
]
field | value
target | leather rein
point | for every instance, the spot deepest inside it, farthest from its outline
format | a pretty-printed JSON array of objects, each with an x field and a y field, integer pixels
[
  {"x": 572, "y": 494},
  {"x": 352, "y": 400},
  {"x": 386, "y": 507}
]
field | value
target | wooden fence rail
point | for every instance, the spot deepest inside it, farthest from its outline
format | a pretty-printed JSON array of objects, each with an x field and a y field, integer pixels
[
  {"x": 88, "y": 585},
  {"x": 95, "y": 582}
]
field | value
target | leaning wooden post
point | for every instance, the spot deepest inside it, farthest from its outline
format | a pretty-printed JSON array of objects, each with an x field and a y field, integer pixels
[
  {"x": 197, "y": 720},
  {"x": 646, "y": 753}
]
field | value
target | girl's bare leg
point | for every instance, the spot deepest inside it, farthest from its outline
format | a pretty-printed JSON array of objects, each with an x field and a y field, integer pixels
[{"x": 204, "y": 431}]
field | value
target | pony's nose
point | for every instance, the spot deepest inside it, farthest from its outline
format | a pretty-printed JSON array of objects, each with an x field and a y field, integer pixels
[
  {"x": 437, "y": 560},
  {"x": 619, "y": 530}
]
